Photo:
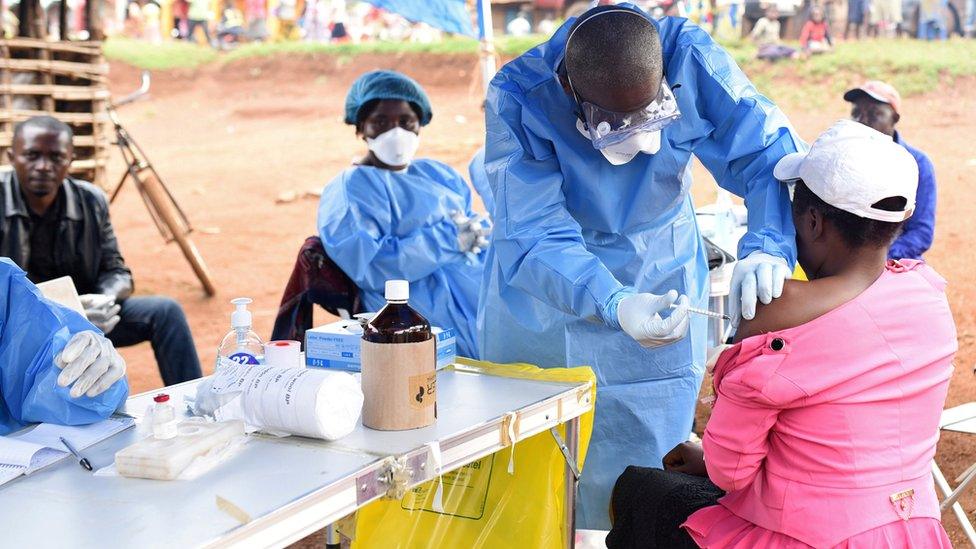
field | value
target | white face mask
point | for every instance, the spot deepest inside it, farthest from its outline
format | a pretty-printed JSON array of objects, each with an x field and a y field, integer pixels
[
  {"x": 395, "y": 147},
  {"x": 625, "y": 151}
]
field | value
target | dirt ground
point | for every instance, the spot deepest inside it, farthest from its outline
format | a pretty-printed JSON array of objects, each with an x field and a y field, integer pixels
[{"x": 229, "y": 139}]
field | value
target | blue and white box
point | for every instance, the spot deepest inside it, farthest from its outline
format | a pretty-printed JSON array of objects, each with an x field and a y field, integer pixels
[{"x": 336, "y": 345}]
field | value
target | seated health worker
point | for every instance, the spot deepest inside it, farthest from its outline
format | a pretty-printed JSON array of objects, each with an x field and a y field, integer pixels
[
  {"x": 391, "y": 216},
  {"x": 826, "y": 412},
  {"x": 55, "y": 366}
]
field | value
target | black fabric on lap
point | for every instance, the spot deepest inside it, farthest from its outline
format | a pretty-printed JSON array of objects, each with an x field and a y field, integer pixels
[{"x": 649, "y": 505}]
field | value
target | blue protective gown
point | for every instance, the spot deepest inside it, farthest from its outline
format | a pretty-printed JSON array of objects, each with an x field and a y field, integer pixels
[
  {"x": 572, "y": 231},
  {"x": 33, "y": 331},
  {"x": 479, "y": 180},
  {"x": 380, "y": 225}
]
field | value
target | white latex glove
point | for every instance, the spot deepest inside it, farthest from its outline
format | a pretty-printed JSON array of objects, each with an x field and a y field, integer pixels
[
  {"x": 101, "y": 310},
  {"x": 757, "y": 277},
  {"x": 640, "y": 316},
  {"x": 91, "y": 363},
  {"x": 472, "y": 232}
]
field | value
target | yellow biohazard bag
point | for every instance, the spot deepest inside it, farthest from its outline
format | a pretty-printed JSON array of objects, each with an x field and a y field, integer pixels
[{"x": 482, "y": 504}]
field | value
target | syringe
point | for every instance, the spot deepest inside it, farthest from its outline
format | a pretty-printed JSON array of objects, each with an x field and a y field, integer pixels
[{"x": 704, "y": 312}]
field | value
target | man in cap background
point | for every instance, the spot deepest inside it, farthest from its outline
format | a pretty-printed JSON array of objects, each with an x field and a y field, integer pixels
[{"x": 878, "y": 105}]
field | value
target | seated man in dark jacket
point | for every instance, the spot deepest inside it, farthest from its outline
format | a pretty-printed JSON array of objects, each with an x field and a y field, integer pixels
[{"x": 52, "y": 225}]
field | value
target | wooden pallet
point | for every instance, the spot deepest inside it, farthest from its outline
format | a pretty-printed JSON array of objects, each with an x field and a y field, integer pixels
[{"x": 65, "y": 80}]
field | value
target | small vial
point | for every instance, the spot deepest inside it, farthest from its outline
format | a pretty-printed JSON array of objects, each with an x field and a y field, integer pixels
[{"x": 164, "y": 424}]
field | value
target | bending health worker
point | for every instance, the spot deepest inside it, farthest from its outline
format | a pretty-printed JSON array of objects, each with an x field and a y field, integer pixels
[{"x": 589, "y": 144}]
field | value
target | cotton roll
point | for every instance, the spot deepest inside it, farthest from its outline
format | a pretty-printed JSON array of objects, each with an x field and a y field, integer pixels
[
  {"x": 295, "y": 401},
  {"x": 283, "y": 354}
]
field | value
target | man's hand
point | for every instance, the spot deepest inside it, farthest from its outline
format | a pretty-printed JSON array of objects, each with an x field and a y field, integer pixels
[
  {"x": 102, "y": 311},
  {"x": 687, "y": 458},
  {"x": 89, "y": 362}
]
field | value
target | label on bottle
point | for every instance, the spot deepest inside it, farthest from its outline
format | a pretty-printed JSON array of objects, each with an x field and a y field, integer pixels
[
  {"x": 244, "y": 358},
  {"x": 423, "y": 390},
  {"x": 399, "y": 385}
]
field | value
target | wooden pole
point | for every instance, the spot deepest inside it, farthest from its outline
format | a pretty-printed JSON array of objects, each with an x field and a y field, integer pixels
[
  {"x": 93, "y": 19},
  {"x": 24, "y": 18},
  {"x": 63, "y": 20}
]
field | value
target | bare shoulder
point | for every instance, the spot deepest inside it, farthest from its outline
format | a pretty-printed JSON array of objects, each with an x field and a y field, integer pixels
[
  {"x": 800, "y": 303},
  {"x": 777, "y": 315}
]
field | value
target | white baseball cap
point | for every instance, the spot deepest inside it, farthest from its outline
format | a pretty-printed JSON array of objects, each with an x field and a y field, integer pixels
[{"x": 853, "y": 167}]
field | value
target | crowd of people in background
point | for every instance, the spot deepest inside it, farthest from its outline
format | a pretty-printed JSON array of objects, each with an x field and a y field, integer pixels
[
  {"x": 251, "y": 21},
  {"x": 767, "y": 23}
]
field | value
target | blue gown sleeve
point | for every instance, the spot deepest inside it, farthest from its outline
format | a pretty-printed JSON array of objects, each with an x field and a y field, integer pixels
[
  {"x": 747, "y": 134},
  {"x": 919, "y": 230},
  {"x": 479, "y": 180},
  {"x": 356, "y": 228},
  {"x": 538, "y": 243},
  {"x": 33, "y": 331}
]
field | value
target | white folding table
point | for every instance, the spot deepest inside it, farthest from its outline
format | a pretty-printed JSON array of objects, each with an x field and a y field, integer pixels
[{"x": 289, "y": 487}]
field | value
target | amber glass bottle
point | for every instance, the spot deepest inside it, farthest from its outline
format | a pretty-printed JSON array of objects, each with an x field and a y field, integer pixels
[{"x": 399, "y": 365}]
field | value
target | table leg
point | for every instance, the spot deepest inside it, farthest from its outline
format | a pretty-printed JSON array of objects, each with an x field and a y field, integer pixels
[
  {"x": 332, "y": 540},
  {"x": 572, "y": 443}
]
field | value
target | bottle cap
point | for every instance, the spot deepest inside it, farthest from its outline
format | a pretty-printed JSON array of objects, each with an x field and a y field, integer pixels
[
  {"x": 241, "y": 317},
  {"x": 397, "y": 290},
  {"x": 161, "y": 397}
]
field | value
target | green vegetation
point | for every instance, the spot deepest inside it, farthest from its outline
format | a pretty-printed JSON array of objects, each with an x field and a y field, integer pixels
[
  {"x": 912, "y": 66},
  {"x": 168, "y": 55}
]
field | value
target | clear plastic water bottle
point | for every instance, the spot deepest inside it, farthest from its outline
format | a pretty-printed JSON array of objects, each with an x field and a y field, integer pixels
[{"x": 241, "y": 344}]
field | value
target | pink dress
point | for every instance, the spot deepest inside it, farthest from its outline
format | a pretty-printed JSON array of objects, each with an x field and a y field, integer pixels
[{"x": 822, "y": 435}]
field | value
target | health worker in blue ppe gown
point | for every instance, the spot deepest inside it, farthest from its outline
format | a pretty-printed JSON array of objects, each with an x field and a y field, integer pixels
[
  {"x": 55, "y": 366},
  {"x": 596, "y": 255},
  {"x": 393, "y": 217}
]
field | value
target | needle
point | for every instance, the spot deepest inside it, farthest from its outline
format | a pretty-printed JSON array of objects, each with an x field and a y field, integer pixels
[{"x": 704, "y": 312}]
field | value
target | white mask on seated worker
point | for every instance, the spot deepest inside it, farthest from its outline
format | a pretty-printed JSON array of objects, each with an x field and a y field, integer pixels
[
  {"x": 625, "y": 151},
  {"x": 395, "y": 147}
]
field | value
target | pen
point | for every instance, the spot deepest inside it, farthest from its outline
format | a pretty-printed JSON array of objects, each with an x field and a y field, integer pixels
[
  {"x": 704, "y": 312},
  {"x": 81, "y": 461}
]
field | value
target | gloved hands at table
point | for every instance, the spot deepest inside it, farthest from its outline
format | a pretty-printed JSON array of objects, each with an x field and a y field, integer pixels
[
  {"x": 640, "y": 316},
  {"x": 91, "y": 363},
  {"x": 472, "y": 231},
  {"x": 102, "y": 311},
  {"x": 757, "y": 277}
]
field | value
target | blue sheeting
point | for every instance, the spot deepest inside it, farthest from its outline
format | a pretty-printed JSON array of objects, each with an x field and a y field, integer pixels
[{"x": 447, "y": 15}]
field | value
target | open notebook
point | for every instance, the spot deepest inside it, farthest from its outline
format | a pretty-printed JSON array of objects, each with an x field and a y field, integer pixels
[{"x": 26, "y": 452}]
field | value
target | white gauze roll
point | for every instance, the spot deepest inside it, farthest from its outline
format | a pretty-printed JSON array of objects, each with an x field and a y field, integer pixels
[
  {"x": 305, "y": 402},
  {"x": 283, "y": 354}
]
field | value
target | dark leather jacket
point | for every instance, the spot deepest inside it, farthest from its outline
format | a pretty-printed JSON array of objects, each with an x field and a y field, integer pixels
[{"x": 87, "y": 250}]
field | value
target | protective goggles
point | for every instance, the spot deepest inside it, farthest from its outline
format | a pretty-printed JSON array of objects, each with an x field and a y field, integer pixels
[{"x": 608, "y": 127}]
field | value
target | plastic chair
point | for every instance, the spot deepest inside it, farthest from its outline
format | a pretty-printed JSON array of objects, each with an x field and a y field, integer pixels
[{"x": 960, "y": 419}]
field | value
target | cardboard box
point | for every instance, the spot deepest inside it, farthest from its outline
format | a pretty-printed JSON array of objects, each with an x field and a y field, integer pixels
[{"x": 336, "y": 345}]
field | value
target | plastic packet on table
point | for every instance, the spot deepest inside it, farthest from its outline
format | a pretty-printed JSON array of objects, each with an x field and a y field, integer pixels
[{"x": 199, "y": 446}]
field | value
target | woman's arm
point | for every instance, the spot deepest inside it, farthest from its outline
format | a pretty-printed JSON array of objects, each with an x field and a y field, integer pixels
[{"x": 736, "y": 439}]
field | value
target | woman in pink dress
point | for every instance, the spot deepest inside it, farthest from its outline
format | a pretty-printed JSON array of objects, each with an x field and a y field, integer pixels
[{"x": 826, "y": 410}]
